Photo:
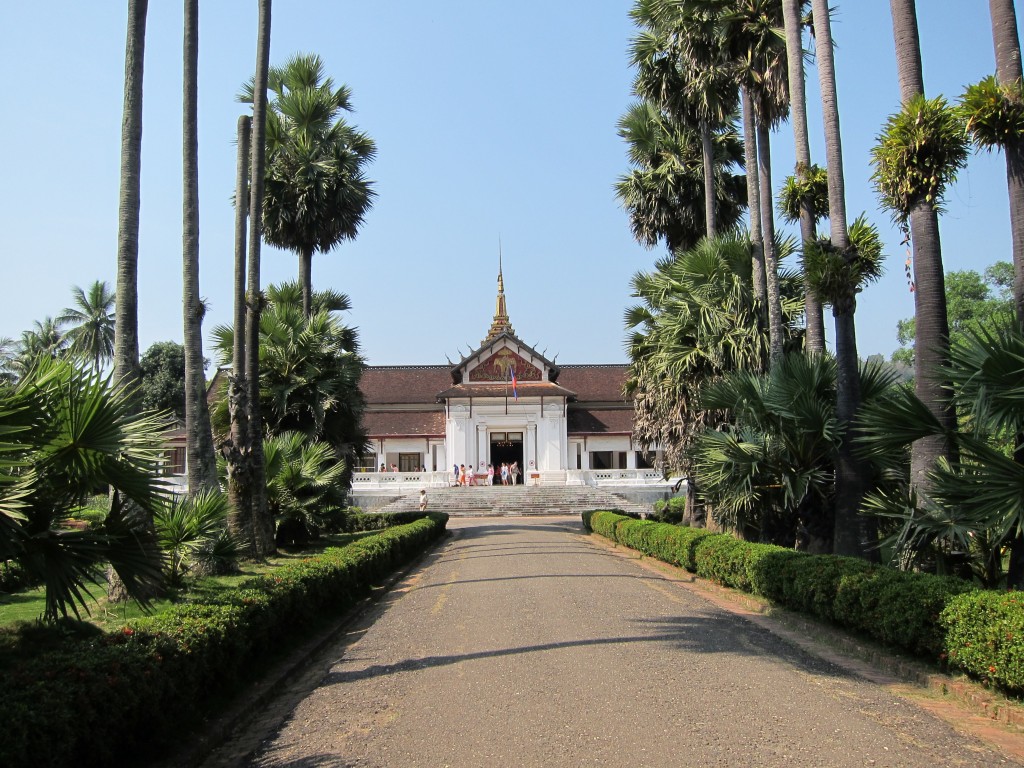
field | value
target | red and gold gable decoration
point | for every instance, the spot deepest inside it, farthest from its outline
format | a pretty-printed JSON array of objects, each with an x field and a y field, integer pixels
[{"x": 498, "y": 366}]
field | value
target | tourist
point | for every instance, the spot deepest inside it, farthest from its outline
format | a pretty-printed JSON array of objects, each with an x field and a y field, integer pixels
[
  {"x": 455, "y": 474},
  {"x": 394, "y": 467},
  {"x": 462, "y": 474},
  {"x": 423, "y": 500},
  {"x": 470, "y": 475},
  {"x": 383, "y": 468},
  {"x": 490, "y": 474},
  {"x": 514, "y": 471},
  {"x": 504, "y": 473}
]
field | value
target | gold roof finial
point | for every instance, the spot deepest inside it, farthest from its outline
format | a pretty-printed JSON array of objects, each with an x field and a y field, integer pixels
[{"x": 501, "y": 324}]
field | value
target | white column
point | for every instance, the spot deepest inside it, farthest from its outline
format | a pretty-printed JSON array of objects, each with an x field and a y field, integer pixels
[
  {"x": 481, "y": 445},
  {"x": 531, "y": 449},
  {"x": 631, "y": 459}
]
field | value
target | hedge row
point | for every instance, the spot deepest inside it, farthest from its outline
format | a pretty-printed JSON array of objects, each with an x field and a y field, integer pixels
[
  {"x": 939, "y": 618},
  {"x": 115, "y": 699}
]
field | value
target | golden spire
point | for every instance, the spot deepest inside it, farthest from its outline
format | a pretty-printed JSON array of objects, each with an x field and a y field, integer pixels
[{"x": 501, "y": 323}]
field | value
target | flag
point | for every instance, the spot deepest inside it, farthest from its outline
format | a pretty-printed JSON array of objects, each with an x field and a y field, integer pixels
[{"x": 515, "y": 394}]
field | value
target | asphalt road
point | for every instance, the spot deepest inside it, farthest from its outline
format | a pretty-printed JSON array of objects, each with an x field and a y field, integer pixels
[{"x": 523, "y": 642}]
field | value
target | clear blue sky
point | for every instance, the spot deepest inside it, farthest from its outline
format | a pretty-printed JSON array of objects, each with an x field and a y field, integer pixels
[{"x": 492, "y": 120}]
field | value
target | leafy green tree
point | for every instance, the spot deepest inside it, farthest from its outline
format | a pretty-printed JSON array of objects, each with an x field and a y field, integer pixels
[
  {"x": 67, "y": 431},
  {"x": 975, "y": 301},
  {"x": 44, "y": 341},
  {"x": 317, "y": 193},
  {"x": 91, "y": 335},
  {"x": 162, "y": 383}
]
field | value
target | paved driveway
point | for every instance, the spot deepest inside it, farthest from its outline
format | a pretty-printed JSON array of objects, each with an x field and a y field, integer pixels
[{"x": 522, "y": 642}]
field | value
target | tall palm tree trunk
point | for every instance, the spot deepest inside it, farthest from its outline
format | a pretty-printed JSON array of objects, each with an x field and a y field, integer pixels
[
  {"x": 931, "y": 345},
  {"x": 202, "y": 464},
  {"x": 753, "y": 196},
  {"x": 126, "y": 313},
  {"x": 306, "y": 280},
  {"x": 855, "y": 535},
  {"x": 1006, "y": 42},
  {"x": 814, "y": 341},
  {"x": 707, "y": 151},
  {"x": 237, "y": 449},
  {"x": 263, "y": 524},
  {"x": 771, "y": 265}
]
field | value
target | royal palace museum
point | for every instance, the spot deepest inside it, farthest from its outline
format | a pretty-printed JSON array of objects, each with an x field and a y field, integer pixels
[{"x": 502, "y": 403}]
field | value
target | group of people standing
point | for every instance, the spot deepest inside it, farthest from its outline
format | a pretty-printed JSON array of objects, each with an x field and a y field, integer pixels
[{"x": 506, "y": 474}]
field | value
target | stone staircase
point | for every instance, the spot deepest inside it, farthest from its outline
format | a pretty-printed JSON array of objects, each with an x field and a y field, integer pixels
[{"x": 504, "y": 501}]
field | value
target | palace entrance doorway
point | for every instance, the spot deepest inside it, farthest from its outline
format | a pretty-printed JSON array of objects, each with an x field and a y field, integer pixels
[{"x": 506, "y": 447}]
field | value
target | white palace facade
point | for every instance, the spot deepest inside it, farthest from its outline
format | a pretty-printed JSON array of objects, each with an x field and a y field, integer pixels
[{"x": 563, "y": 424}]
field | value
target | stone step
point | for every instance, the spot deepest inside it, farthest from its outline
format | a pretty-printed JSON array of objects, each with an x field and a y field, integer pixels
[{"x": 515, "y": 501}]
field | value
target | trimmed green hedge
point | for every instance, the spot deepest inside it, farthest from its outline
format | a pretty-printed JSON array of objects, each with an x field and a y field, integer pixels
[
  {"x": 115, "y": 699},
  {"x": 939, "y": 618}
]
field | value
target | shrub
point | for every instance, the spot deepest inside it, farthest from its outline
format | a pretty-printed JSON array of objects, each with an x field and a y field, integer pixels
[
  {"x": 670, "y": 510},
  {"x": 985, "y": 636},
  {"x": 105, "y": 700}
]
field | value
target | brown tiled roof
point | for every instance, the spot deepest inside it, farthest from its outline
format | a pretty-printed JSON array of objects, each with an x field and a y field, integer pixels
[
  {"x": 404, "y": 383},
  {"x": 594, "y": 383},
  {"x": 523, "y": 388},
  {"x": 599, "y": 421},
  {"x": 403, "y": 423}
]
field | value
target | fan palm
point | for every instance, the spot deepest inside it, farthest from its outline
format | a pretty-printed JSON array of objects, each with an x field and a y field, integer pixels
[
  {"x": 976, "y": 497},
  {"x": 91, "y": 335},
  {"x": 305, "y": 490},
  {"x": 68, "y": 431},
  {"x": 664, "y": 192},
  {"x": 316, "y": 191}
]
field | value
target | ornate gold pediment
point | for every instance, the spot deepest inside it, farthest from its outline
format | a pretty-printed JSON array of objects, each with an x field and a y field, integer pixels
[{"x": 498, "y": 366}]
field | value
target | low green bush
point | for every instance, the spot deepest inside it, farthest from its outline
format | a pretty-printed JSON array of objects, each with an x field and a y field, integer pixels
[
  {"x": 670, "y": 510},
  {"x": 984, "y": 635},
  {"x": 13, "y": 576},
  {"x": 116, "y": 698},
  {"x": 939, "y": 618}
]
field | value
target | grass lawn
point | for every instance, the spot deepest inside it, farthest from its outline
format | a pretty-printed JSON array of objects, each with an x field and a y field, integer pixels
[{"x": 29, "y": 604}]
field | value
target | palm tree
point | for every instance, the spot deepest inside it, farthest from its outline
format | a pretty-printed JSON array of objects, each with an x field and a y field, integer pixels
[
  {"x": 44, "y": 341},
  {"x": 237, "y": 448},
  {"x": 976, "y": 497},
  {"x": 814, "y": 340},
  {"x": 309, "y": 368},
  {"x": 126, "y": 321},
  {"x": 699, "y": 319},
  {"x": 932, "y": 325},
  {"x": 201, "y": 460},
  {"x": 92, "y": 319},
  {"x": 317, "y": 194},
  {"x": 1011, "y": 79},
  {"x": 759, "y": 53},
  {"x": 664, "y": 192},
  {"x": 838, "y": 275},
  {"x": 67, "y": 431},
  {"x": 263, "y": 525}
]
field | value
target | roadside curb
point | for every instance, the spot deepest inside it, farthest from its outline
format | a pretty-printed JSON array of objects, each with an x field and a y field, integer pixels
[
  {"x": 1001, "y": 720},
  {"x": 248, "y": 703}
]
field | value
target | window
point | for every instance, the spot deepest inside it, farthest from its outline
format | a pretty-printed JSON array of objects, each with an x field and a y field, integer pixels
[
  {"x": 365, "y": 462},
  {"x": 644, "y": 460},
  {"x": 600, "y": 459}
]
